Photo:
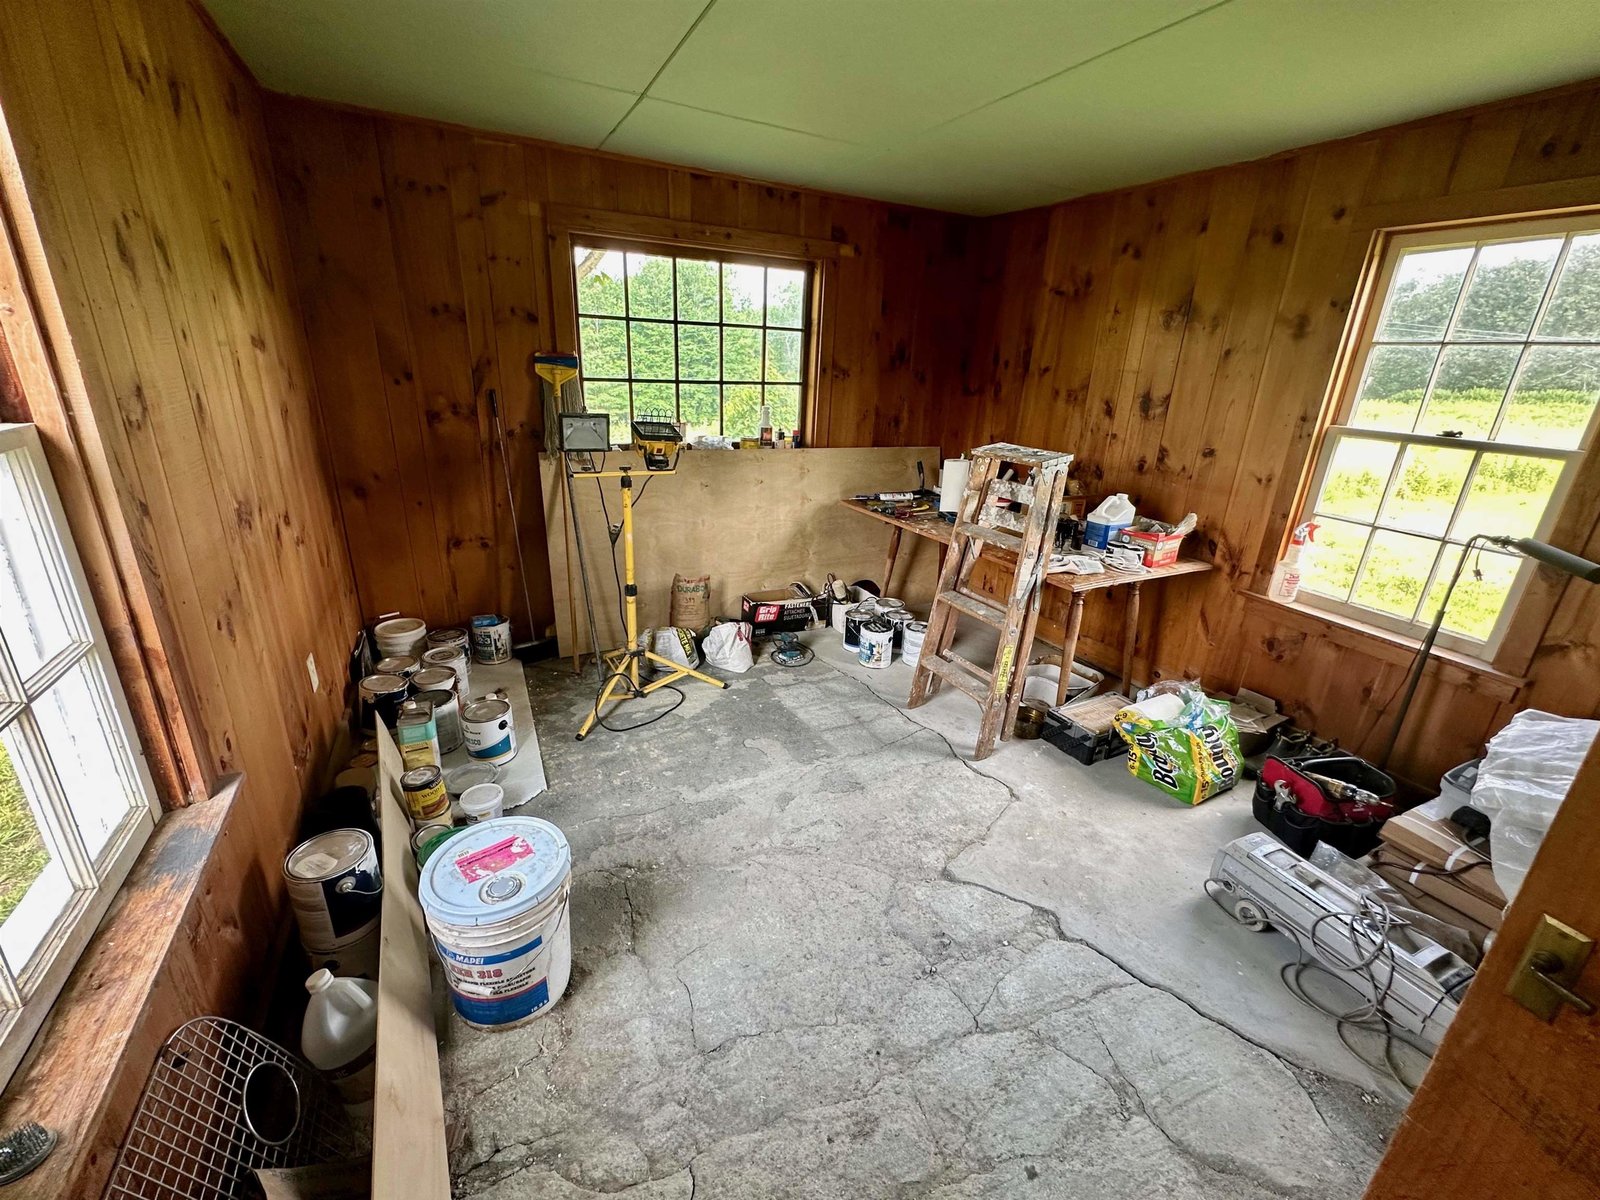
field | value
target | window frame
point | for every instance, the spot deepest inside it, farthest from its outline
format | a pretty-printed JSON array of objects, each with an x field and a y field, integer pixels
[
  {"x": 807, "y": 329},
  {"x": 27, "y": 994},
  {"x": 1390, "y": 247}
]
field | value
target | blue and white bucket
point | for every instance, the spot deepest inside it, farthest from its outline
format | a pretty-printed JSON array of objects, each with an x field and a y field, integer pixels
[{"x": 496, "y": 897}]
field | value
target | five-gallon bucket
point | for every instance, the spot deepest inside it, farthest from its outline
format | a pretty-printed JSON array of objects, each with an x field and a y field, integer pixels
[{"x": 496, "y": 898}]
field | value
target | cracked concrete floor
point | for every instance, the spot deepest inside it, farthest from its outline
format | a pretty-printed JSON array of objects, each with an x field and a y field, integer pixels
[{"x": 817, "y": 954}]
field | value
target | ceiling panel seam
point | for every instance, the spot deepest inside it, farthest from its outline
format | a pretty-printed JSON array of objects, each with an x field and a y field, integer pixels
[
  {"x": 712, "y": 112},
  {"x": 665, "y": 63},
  {"x": 1028, "y": 87}
]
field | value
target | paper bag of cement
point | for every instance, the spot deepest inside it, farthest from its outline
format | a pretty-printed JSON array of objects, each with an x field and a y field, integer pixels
[
  {"x": 1182, "y": 742},
  {"x": 670, "y": 642},
  {"x": 727, "y": 647},
  {"x": 691, "y": 601}
]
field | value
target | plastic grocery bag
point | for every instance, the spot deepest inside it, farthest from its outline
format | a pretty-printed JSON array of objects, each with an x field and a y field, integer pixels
[
  {"x": 1523, "y": 779},
  {"x": 727, "y": 647},
  {"x": 1181, "y": 741}
]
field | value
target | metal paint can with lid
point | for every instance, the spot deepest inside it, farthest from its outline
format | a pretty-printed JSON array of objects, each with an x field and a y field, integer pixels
[
  {"x": 447, "y": 638},
  {"x": 877, "y": 643},
  {"x": 380, "y": 699},
  {"x": 446, "y": 717},
  {"x": 429, "y": 838},
  {"x": 335, "y": 888},
  {"x": 454, "y": 658},
  {"x": 489, "y": 731},
  {"x": 491, "y": 638},
  {"x": 911, "y": 641},
  {"x": 854, "y": 618},
  {"x": 403, "y": 665},
  {"x": 426, "y": 800}
]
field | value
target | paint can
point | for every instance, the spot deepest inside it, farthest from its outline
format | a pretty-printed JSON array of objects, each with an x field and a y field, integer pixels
[
  {"x": 431, "y": 679},
  {"x": 483, "y": 802},
  {"x": 495, "y": 896},
  {"x": 487, "y": 728},
  {"x": 403, "y": 665},
  {"x": 381, "y": 698},
  {"x": 445, "y": 639},
  {"x": 877, "y": 643},
  {"x": 416, "y": 735},
  {"x": 911, "y": 641},
  {"x": 446, "y": 717},
  {"x": 898, "y": 620},
  {"x": 335, "y": 889},
  {"x": 426, "y": 800},
  {"x": 491, "y": 638},
  {"x": 400, "y": 635},
  {"x": 854, "y": 618},
  {"x": 456, "y": 659},
  {"x": 427, "y": 839}
]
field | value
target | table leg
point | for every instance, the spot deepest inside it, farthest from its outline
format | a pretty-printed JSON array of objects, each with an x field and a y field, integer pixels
[
  {"x": 1069, "y": 646},
  {"x": 1130, "y": 638},
  {"x": 894, "y": 553}
]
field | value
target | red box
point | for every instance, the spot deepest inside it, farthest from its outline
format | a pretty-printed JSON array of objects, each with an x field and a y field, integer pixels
[{"x": 1160, "y": 549}]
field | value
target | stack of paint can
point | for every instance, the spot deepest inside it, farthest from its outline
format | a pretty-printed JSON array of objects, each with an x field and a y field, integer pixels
[
  {"x": 336, "y": 890},
  {"x": 456, "y": 658}
]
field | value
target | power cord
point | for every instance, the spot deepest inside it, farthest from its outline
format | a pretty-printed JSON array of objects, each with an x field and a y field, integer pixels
[
  {"x": 1369, "y": 926},
  {"x": 628, "y": 682}
]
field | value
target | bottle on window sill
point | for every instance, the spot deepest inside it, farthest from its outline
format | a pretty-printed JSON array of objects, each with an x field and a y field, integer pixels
[{"x": 1285, "y": 585}]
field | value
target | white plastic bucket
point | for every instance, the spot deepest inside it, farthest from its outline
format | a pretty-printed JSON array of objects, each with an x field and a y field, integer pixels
[
  {"x": 496, "y": 899},
  {"x": 401, "y": 635}
]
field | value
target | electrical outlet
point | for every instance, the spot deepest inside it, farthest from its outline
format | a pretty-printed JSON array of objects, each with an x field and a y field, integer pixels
[{"x": 311, "y": 670}]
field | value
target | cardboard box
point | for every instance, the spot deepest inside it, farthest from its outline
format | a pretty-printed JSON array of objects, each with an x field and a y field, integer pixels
[
  {"x": 1423, "y": 902},
  {"x": 1160, "y": 549},
  {"x": 1399, "y": 869},
  {"x": 1440, "y": 843},
  {"x": 776, "y": 611}
]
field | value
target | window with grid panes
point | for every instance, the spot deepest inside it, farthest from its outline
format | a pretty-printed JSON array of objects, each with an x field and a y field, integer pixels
[
  {"x": 1472, "y": 399},
  {"x": 701, "y": 340},
  {"x": 76, "y": 799}
]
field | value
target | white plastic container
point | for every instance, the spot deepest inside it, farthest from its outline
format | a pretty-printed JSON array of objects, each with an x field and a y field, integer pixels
[
  {"x": 1115, "y": 512},
  {"x": 401, "y": 635},
  {"x": 483, "y": 802},
  {"x": 495, "y": 896},
  {"x": 340, "y": 1035}
]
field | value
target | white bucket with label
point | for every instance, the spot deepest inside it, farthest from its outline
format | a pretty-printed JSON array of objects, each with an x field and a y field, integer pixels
[{"x": 496, "y": 899}]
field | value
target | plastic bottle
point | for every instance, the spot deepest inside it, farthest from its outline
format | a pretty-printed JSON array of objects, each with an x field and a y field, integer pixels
[
  {"x": 1115, "y": 512},
  {"x": 1285, "y": 585},
  {"x": 339, "y": 1035},
  {"x": 765, "y": 424}
]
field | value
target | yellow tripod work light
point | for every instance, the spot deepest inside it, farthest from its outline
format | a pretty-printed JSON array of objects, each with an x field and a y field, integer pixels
[{"x": 623, "y": 679}]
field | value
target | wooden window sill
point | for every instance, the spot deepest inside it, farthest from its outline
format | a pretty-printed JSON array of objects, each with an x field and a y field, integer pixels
[
  {"x": 1388, "y": 646},
  {"x": 87, "y": 1066}
]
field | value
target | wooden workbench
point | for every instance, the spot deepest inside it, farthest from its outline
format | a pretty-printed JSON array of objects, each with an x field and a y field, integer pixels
[{"x": 935, "y": 528}]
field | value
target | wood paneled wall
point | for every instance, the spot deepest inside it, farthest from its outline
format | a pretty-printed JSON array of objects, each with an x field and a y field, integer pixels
[
  {"x": 426, "y": 277},
  {"x": 144, "y": 153},
  {"x": 1180, "y": 337}
]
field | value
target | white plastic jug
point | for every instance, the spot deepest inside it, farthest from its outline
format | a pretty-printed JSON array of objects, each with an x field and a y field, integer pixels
[
  {"x": 1115, "y": 512},
  {"x": 339, "y": 1035}
]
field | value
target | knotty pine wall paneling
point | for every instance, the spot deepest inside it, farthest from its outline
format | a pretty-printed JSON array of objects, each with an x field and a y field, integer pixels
[
  {"x": 144, "y": 154},
  {"x": 423, "y": 255},
  {"x": 1180, "y": 338}
]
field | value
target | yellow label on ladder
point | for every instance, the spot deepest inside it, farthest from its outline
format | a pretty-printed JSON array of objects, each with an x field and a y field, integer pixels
[{"x": 1002, "y": 677}]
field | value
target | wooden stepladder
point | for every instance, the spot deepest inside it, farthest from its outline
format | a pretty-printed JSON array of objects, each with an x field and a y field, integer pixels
[{"x": 984, "y": 520}]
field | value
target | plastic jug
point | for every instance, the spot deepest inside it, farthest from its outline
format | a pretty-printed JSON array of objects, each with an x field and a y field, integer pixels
[
  {"x": 1114, "y": 513},
  {"x": 339, "y": 1035}
]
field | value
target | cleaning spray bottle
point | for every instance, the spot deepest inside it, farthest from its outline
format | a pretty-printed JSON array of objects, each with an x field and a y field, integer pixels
[{"x": 1286, "y": 575}]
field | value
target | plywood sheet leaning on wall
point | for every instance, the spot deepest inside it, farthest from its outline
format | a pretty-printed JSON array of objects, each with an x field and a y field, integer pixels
[{"x": 751, "y": 519}]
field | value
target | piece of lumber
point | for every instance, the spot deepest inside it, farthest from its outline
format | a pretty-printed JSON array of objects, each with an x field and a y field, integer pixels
[{"x": 409, "y": 1156}]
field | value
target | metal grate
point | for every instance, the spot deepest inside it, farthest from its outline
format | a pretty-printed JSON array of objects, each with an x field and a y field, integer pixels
[{"x": 191, "y": 1138}]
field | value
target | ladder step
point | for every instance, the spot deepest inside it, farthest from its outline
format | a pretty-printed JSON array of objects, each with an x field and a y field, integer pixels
[
  {"x": 982, "y": 610},
  {"x": 995, "y": 537},
  {"x": 954, "y": 675},
  {"x": 981, "y": 674}
]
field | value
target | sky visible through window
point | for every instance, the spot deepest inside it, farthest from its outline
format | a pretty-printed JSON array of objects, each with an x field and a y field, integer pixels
[{"x": 692, "y": 339}]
